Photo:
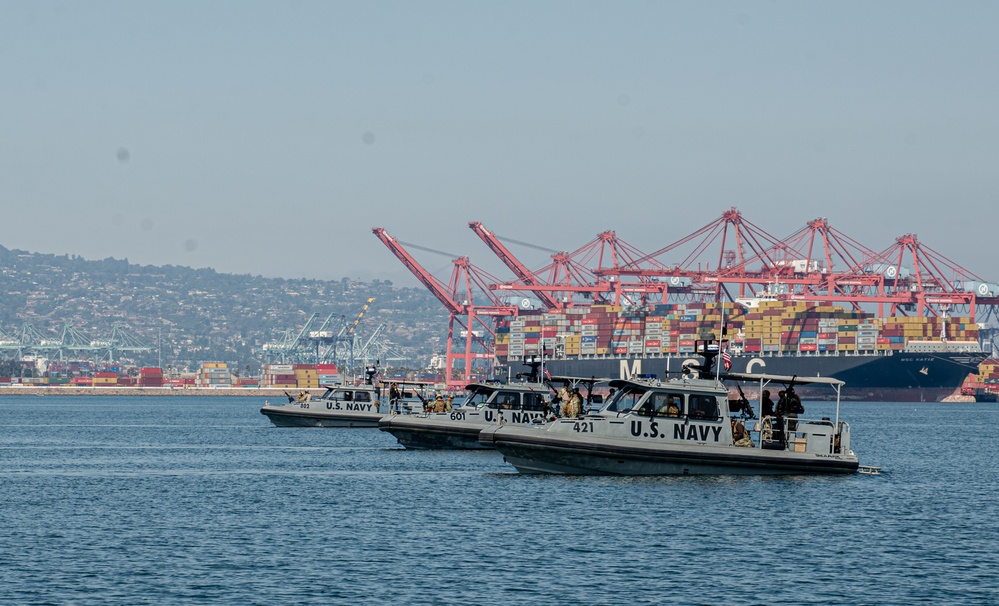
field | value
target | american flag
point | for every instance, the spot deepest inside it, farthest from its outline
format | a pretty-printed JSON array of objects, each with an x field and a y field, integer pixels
[
  {"x": 548, "y": 375},
  {"x": 727, "y": 359}
]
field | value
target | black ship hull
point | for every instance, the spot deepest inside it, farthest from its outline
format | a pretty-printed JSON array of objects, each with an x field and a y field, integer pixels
[{"x": 891, "y": 377}]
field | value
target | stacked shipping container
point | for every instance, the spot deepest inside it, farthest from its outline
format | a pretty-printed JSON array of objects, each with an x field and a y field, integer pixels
[
  {"x": 280, "y": 375},
  {"x": 306, "y": 376},
  {"x": 300, "y": 376},
  {"x": 151, "y": 377},
  {"x": 988, "y": 375},
  {"x": 614, "y": 330},
  {"x": 105, "y": 379},
  {"x": 772, "y": 327},
  {"x": 213, "y": 374}
]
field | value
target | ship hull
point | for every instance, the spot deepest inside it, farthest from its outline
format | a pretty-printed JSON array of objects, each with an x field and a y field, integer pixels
[
  {"x": 896, "y": 377},
  {"x": 434, "y": 432},
  {"x": 293, "y": 418},
  {"x": 541, "y": 452}
]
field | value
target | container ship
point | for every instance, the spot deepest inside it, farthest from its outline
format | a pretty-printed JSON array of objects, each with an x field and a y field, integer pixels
[
  {"x": 800, "y": 305},
  {"x": 894, "y": 359}
]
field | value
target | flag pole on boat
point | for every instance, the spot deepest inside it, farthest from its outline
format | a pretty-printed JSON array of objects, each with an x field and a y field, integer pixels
[{"x": 721, "y": 340}]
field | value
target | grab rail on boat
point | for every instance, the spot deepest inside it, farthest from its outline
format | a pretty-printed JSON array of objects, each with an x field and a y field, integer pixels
[{"x": 765, "y": 428}]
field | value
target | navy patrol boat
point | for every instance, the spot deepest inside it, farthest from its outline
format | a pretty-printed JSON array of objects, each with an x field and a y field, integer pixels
[
  {"x": 487, "y": 404},
  {"x": 685, "y": 425},
  {"x": 348, "y": 405}
]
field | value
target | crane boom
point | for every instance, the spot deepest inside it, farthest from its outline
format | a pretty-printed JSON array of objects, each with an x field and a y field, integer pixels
[
  {"x": 426, "y": 278},
  {"x": 360, "y": 315},
  {"x": 508, "y": 259}
]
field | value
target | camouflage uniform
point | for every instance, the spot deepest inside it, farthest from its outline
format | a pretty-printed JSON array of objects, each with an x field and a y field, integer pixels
[
  {"x": 740, "y": 437},
  {"x": 564, "y": 402},
  {"x": 575, "y": 404}
]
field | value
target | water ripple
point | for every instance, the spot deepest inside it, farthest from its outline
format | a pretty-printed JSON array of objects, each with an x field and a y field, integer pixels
[{"x": 167, "y": 502}]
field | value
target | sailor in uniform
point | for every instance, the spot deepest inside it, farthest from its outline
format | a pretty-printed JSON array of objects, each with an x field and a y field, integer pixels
[
  {"x": 575, "y": 403},
  {"x": 439, "y": 404},
  {"x": 564, "y": 401}
]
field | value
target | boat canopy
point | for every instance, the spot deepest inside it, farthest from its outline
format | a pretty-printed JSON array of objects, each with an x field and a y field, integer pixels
[{"x": 755, "y": 376}]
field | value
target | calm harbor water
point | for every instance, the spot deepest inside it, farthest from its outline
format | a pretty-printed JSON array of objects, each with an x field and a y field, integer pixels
[{"x": 118, "y": 500}]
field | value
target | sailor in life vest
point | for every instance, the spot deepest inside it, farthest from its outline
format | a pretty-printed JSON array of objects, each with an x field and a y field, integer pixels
[
  {"x": 575, "y": 403},
  {"x": 439, "y": 404},
  {"x": 564, "y": 398},
  {"x": 740, "y": 437}
]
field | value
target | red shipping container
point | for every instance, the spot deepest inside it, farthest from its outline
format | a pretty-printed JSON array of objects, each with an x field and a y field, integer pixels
[
  {"x": 807, "y": 347},
  {"x": 620, "y": 350},
  {"x": 653, "y": 343}
]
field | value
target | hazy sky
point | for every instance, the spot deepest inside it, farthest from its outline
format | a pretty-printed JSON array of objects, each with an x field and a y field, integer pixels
[{"x": 270, "y": 137}]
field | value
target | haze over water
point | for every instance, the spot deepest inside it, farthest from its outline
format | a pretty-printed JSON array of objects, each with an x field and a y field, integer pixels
[{"x": 199, "y": 500}]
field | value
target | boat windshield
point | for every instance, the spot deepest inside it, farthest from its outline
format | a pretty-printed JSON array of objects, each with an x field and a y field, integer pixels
[
  {"x": 477, "y": 398},
  {"x": 349, "y": 395},
  {"x": 624, "y": 399}
]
